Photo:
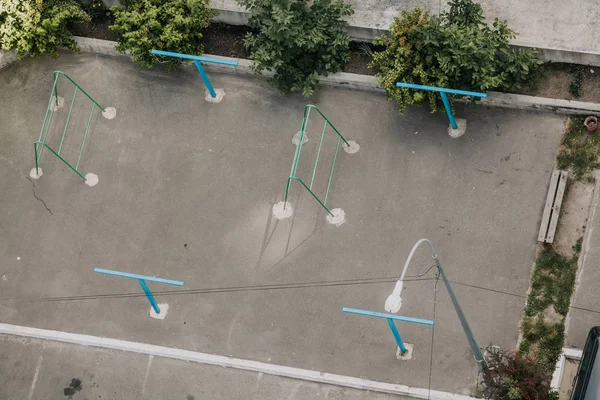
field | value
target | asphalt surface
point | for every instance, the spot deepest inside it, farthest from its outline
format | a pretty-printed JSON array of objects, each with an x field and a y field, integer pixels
[{"x": 185, "y": 192}]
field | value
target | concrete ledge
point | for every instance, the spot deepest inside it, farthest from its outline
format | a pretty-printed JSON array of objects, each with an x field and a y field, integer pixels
[
  {"x": 352, "y": 81},
  {"x": 228, "y": 362},
  {"x": 7, "y": 58},
  {"x": 369, "y": 83},
  {"x": 523, "y": 102},
  {"x": 357, "y": 82},
  {"x": 90, "y": 45}
]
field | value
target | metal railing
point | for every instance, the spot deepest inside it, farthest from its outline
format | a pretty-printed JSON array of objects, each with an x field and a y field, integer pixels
[
  {"x": 293, "y": 172},
  {"x": 41, "y": 142}
]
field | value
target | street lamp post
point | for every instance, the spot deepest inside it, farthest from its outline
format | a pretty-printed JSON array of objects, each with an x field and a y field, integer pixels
[{"x": 394, "y": 302}]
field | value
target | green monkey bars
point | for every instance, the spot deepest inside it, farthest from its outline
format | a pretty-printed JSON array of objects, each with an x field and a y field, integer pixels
[
  {"x": 38, "y": 146},
  {"x": 293, "y": 172}
]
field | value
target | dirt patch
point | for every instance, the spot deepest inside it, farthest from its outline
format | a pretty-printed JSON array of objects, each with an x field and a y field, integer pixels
[
  {"x": 359, "y": 59},
  {"x": 226, "y": 40},
  {"x": 573, "y": 217},
  {"x": 95, "y": 29},
  {"x": 557, "y": 79}
]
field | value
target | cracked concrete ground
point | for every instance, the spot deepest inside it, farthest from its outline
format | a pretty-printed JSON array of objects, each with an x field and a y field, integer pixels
[
  {"x": 186, "y": 190},
  {"x": 39, "y": 199}
]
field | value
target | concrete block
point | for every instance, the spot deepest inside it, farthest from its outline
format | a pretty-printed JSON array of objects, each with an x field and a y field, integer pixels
[
  {"x": 461, "y": 128},
  {"x": 406, "y": 356},
  {"x": 96, "y": 45}
]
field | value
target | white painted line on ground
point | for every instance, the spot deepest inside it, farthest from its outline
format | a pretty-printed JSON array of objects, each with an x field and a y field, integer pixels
[
  {"x": 35, "y": 375},
  {"x": 230, "y": 362},
  {"x": 150, "y": 358}
]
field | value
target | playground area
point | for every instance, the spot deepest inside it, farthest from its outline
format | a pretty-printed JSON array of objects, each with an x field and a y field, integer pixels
[{"x": 185, "y": 191}]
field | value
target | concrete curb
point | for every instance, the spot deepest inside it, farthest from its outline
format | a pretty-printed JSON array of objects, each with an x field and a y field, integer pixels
[
  {"x": 356, "y": 82},
  {"x": 369, "y": 83},
  {"x": 524, "y": 102},
  {"x": 228, "y": 362},
  {"x": 90, "y": 45}
]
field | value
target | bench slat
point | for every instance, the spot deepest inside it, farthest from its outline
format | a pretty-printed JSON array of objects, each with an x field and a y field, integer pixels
[{"x": 548, "y": 207}]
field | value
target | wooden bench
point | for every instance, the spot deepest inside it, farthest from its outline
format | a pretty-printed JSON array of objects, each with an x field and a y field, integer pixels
[{"x": 558, "y": 184}]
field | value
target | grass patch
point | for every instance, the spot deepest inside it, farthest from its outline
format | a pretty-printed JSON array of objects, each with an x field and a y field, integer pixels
[
  {"x": 579, "y": 149},
  {"x": 543, "y": 325}
]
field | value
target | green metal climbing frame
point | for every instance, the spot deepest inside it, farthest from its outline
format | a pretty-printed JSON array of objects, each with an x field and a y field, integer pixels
[
  {"x": 39, "y": 144},
  {"x": 293, "y": 175}
]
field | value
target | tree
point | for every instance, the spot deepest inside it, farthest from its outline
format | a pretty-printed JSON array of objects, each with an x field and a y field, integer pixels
[
  {"x": 171, "y": 25},
  {"x": 298, "y": 40},
  {"x": 455, "y": 49},
  {"x": 35, "y": 27}
]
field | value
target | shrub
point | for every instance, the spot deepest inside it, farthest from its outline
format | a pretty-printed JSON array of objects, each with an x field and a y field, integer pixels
[
  {"x": 171, "y": 25},
  {"x": 514, "y": 377},
  {"x": 455, "y": 49},
  {"x": 35, "y": 27},
  {"x": 298, "y": 40}
]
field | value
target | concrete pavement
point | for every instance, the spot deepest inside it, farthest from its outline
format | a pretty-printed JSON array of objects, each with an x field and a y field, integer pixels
[
  {"x": 585, "y": 306},
  {"x": 186, "y": 190},
  {"x": 35, "y": 370}
]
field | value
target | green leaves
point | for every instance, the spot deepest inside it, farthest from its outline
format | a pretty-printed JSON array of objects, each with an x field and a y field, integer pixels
[
  {"x": 171, "y": 25},
  {"x": 297, "y": 40},
  {"x": 34, "y": 27},
  {"x": 456, "y": 49}
]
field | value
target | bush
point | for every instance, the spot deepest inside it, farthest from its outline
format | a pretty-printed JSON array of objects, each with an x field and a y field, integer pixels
[
  {"x": 170, "y": 25},
  {"x": 455, "y": 49},
  {"x": 513, "y": 377},
  {"x": 35, "y": 27},
  {"x": 298, "y": 40}
]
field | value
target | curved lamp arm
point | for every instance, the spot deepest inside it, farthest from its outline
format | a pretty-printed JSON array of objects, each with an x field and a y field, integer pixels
[{"x": 394, "y": 301}]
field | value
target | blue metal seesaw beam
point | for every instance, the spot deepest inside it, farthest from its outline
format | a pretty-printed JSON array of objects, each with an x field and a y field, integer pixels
[
  {"x": 390, "y": 320},
  {"x": 444, "y": 94},
  {"x": 142, "y": 281},
  {"x": 197, "y": 60}
]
